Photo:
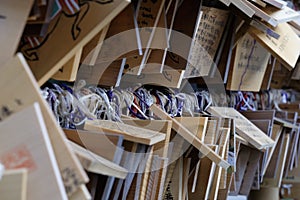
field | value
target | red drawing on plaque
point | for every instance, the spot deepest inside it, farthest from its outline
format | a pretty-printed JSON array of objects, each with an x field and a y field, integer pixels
[{"x": 18, "y": 157}]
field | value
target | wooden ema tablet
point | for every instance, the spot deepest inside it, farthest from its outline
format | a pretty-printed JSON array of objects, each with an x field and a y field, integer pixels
[
  {"x": 28, "y": 146},
  {"x": 153, "y": 35},
  {"x": 13, "y": 184},
  {"x": 197, "y": 125},
  {"x": 160, "y": 149},
  {"x": 131, "y": 133},
  {"x": 103, "y": 74},
  {"x": 206, "y": 41},
  {"x": 296, "y": 71},
  {"x": 145, "y": 176},
  {"x": 244, "y": 127},
  {"x": 178, "y": 187},
  {"x": 161, "y": 175},
  {"x": 261, "y": 115},
  {"x": 155, "y": 182},
  {"x": 250, "y": 172},
  {"x": 292, "y": 151},
  {"x": 176, "y": 150},
  {"x": 285, "y": 49},
  {"x": 276, "y": 132},
  {"x": 280, "y": 74},
  {"x": 162, "y": 126},
  {"x": 90, "y": 51},
  {"x": 225, "y": 59},
  {"x": 292, "y": 176},
  {"x": 114, "y": 39},
  {"x": 274, "y": 162},
  {"x": 211, "y": 131},
  {"x": 213, "y": 194},
  {"x": 175, "y": 184},
  {"x": 291, "y": 106},
  {"x": 142, "y": 63},
  {"x": 265, "y": 126},
  {"x": 224, "y": 44},
  {"x": 223, "y": 193},
  {"x": 249, "y": 65},
  {"x": 149, "y": 20},
  {"x": 190, "y": 137},
  {"x": 186, "y": 12},
  {"x": 69, "y": 70},
  {"x": 25, "y": 92},
  {"x": 168, "y": 78},
  {"x": 97, "y": 164},
  {"x": 257, "y": 178},
  {"x": 241, "y": 165},
  {"x": 284, "y": 123},
  {"x": 268, "y": 74},
  {"x": 77, "y": 31},
  {"x": 124, "y": 21},
  {"x": 205, "y": 178},
  {"x": 104, "y": 145},
  {"x": 159, "y": 55},
  {"x": 13, "y": 18},
  {"x": 276, "y": 181}
]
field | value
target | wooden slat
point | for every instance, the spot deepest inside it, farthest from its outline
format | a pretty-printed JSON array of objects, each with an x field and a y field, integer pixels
[
  {"x": 130, "y": 133},
  {"x": 104, "y": 145},
  {"x": 197, "y": 125},
  {"x": 217, "y": 176},
  {"x": 168, "y": 78},
  {"x": 162, "y": 126},
  {"x": 13, "y": 184},
  {"x": 81, "y": 194},
  {"x": 211, "y": 132},
  {"x": 190, "y": 137},
  {"x": 97, "y": 164},
  {"x": 244, "y": 127},
  {"x": 26, "y": 92},
  {"x": 243, "y": 7}
]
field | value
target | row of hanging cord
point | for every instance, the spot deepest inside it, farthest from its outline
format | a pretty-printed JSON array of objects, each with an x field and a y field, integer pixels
[
  {"x": 264, "y": 100},
  {"x": 72, "y": 107}
]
